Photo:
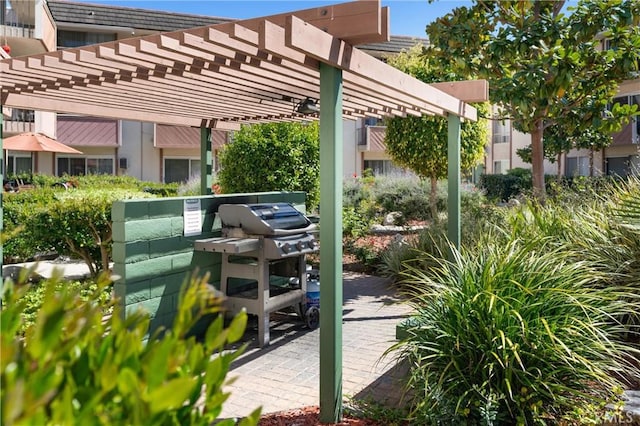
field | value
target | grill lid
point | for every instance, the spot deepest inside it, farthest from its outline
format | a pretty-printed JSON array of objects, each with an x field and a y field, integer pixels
[{"x": 264, "y": 219}]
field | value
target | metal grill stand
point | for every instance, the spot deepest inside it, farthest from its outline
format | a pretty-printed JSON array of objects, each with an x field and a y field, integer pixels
[{"x": 251, "y": 257}]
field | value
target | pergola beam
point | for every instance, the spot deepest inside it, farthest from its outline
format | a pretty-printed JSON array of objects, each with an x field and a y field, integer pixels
[
  {"x": 354, "y": 22},
  {"x": 466, "y": 91},
  {"x": 249, "y": 76},
  {"x": 272, "y": 40},
  {"x": 327, "y": 49}
]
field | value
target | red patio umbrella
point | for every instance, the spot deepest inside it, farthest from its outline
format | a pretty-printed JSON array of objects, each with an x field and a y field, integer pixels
[{"x": 36, "y": 142}]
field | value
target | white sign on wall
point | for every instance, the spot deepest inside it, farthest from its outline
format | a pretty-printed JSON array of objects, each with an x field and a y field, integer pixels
[{"x": 192, "y": 217}]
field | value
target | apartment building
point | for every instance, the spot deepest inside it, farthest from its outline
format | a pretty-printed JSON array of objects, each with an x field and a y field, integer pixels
[
  {"x": 621, "y": 158},
  {"x": 148, "y": 151},
  {"x": 164, "y": 153}
]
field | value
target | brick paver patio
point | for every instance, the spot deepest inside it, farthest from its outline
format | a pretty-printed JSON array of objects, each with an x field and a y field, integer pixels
[{"x": 285, "y": 374}]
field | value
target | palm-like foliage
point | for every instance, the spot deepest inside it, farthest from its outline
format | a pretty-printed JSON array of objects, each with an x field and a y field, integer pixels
[{"x": 628, "y": 209}]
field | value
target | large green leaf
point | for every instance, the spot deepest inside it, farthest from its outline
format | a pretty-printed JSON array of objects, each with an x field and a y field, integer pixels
[{"x": 171, "y": 395}]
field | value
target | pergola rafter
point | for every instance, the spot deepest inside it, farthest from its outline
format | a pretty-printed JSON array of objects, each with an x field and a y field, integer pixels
[{"x": 219, "y": 76}]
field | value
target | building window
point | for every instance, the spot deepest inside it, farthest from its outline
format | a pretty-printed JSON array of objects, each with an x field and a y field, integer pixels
[
  {"x": 82, "y": 38},
  {"x": 634, "y": 123},
  {"x": 501, "y": 130},
  {"x": 180, "y": 169},
  {"x": 618, "y": 166},
  {"x": 577, "y": 166},
  {"x": 373, "y": 121},
  {"x": 382, "y": 167},
  {"x": 17, "y": 165},
  {"x": 22, "y": 115},
  {"x": 99, "y": 166},
  {"x": 76, "y": 166},
  {"x": 500, "y": 167}
]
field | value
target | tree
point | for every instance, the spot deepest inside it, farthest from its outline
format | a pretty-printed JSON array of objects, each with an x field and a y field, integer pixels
[
  {"x": 543, "y": 65},
  {"x": 273, "y": 157},
  {"x": 420, "y": 143}
]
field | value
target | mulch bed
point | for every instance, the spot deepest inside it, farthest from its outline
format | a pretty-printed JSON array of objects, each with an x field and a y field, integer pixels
[{"x": 310, "y": 416}]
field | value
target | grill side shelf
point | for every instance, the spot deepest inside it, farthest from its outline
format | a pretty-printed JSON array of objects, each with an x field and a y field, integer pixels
[{"x": 228, "y": 245}]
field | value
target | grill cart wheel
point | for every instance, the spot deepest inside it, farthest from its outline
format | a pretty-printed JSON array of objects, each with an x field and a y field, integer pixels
[{"x": 312, "y": 317}]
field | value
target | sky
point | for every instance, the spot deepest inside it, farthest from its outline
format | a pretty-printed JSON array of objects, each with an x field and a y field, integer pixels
[{"x": 408, "y": 17}]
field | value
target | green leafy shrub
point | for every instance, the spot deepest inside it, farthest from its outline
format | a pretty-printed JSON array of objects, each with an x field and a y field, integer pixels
[
  {"x": 481, "y": 223},
  {"x": 359, "y": 208},
  {"x": 25, "y": 237},
  {"x": 102, "y": 181},
  {"x": 273, "y": 157},
  {"x": 74, "y": 366},
  {"x": 592, "y": 223},
  {"x": 407, "y": 195},
  {"x": 501, "y": 187},
  {"x": 370, "y": 249},
  {"x": 190, "y": 187},
  {"x": 19, "y": 241},
  {"x": 357, "y": 190},
  {"x": 424, "y": 250},
  {"x": 354, "y": 223},
  {"x": 515, "y": 334},
  {"x": 78, "y": 224},
  {"x": 161, "y": 189}
]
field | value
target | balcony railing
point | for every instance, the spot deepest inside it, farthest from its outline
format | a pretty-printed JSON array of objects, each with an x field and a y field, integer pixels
[
  {"x": 11, "y": 25},
  {"x": 20, "y": 121},
  {"x": 24, "y": 115},
  {"x": 501, "y": 138}
]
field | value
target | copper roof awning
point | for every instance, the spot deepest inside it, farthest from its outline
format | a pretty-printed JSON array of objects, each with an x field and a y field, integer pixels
[{"x": 220, "y": 76}]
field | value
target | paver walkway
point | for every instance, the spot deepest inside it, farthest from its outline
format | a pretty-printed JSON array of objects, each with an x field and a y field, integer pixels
[{"x": 285, "y": 374}]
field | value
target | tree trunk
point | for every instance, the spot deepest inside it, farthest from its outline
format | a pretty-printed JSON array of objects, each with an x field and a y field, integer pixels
[
  {"x": 537, "y": 162},
  {"x": 559, "y": 159},
  {"x": 591, "y": 162},
  {"x": 433, "y": 199}
]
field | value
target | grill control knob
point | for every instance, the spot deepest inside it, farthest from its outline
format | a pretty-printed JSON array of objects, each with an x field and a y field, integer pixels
[
  {"x": 286, "y": 247},
  {"x": 312, "y": 244},
  {"x": 300, "y": 245}
]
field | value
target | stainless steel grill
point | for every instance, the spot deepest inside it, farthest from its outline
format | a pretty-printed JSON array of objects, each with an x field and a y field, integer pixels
[{"x": 264, "y": 246}]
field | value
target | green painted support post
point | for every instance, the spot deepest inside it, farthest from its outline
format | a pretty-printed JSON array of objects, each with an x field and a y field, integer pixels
[
  {"x": 206, "y": 161},
  {"x": 330, "y": 244},
  {"x": 453, "y": 226}
]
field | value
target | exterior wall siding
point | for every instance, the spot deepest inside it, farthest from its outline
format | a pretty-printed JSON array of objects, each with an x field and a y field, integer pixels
[{"x": 152, "y": 258}]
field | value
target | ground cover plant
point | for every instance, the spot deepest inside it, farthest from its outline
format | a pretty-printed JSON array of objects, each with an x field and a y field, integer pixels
[
  {"x": 74, "y": 365},
  {"x": 87, "y": 290}
]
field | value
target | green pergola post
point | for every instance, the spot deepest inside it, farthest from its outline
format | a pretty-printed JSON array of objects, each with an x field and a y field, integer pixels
[
  {"x": 206, "y": 161},
  {"x": 330, "y": 244},
  {"x": 453, "y": 226}
]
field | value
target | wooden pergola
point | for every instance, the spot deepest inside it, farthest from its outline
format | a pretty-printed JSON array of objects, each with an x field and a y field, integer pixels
[{"x": 255, "y": 71}]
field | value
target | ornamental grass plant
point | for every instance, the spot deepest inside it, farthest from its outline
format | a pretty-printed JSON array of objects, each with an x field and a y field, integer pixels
[
  {"x": 534, "y": 320},
  {"x": 520, "y": 333}
]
